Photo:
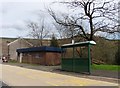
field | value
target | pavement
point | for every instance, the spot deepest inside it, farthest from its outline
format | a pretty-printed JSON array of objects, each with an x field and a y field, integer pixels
[
  {"x": 19, "y": 76},
  {"x": 103, "y": 75}
]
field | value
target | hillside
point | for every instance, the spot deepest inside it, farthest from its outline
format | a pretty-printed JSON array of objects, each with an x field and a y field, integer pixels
[{"x": 105, "y": 50}]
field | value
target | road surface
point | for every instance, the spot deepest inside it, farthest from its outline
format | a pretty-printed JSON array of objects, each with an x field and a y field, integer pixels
[{"x": 18, "y": 76}]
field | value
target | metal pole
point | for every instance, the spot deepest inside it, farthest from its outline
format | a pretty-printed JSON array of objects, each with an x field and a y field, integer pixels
[
  {"x": 89, "y": 59},
  {"x": 62, "y": 57},
  {"x": 73, "y": 57}
]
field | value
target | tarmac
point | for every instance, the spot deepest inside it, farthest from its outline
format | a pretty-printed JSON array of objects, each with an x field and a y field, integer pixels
[
  {"x": 103, "y": 75},
  {"x": 19, "y": 76}
]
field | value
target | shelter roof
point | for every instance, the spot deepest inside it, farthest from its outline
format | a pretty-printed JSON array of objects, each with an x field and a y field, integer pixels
[
  {"x": 79, "y": 44},
  {"x": 40, "y": 49}
]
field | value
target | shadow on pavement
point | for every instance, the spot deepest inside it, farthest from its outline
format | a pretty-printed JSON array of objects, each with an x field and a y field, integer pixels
[{"x": 3, "y": 85}]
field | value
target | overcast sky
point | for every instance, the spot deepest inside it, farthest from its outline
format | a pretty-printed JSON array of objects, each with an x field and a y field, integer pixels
[{"x": 14, "y": 14}]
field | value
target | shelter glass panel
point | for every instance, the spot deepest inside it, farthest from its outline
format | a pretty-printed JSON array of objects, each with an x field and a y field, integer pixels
[
  {"x": 81, "y": 52},
  {"x": 68, "y": 53}
]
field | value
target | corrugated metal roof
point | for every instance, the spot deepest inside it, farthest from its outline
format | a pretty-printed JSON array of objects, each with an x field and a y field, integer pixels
[{"x": 40, "y": 49}]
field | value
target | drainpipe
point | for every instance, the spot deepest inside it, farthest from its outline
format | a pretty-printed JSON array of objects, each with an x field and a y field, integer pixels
[
  {"x": 8, "y": 53},
  {"x": 8, "y": 46}
]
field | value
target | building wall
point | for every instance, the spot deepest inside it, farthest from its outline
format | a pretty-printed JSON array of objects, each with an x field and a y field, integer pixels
[
  {"x": 34, "y": 58},
  {"x": 17, "y": 45},
  {"x": 4, "y": 47},
  {"x": 42, "y": 58},
  {"x": 0, "y": 47},
  {"x": 53, "y": 58}
]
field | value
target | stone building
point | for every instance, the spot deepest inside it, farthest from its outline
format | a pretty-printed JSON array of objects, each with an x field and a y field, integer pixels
[
  {"x": 17, "y": 44},
  {"x": 8, "y": 46}
]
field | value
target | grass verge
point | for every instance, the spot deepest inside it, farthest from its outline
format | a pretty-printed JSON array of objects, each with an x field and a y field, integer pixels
[{"x": 106, "y": 67}]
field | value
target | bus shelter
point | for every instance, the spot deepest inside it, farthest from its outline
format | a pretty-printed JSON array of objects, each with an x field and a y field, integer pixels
[{"x": 76, "y": 57}]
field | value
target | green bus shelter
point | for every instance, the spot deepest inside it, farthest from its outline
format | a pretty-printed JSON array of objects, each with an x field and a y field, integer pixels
[{"x": 76, "y": 57}]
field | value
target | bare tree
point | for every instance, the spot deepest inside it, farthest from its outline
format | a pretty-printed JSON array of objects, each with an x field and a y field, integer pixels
[
  {"x": 37, "y": 30},
  {"x": 62, "y": 31},
  {"x": 99, "y": 16},
  {"x": 59, "y": 29}
]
